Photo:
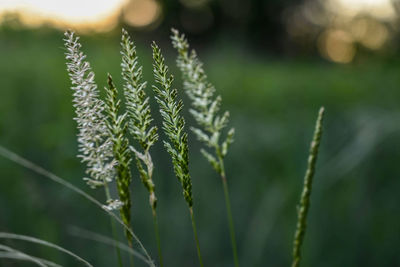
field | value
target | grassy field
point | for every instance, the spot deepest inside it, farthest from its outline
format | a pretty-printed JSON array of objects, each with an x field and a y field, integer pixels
[{"x": 273, "y": 102}]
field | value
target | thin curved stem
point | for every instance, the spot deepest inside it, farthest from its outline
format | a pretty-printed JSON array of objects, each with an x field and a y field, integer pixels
[
  {"x": 36, "y": 168},
  {"x": 30, "y": 239},
  {"x": 230, "y": 221},
  {"x": 113, "y": 231},
  {"x": 23, "y": 257},
  {"x": 228, "y": 210},
  {"x": 19, "y": 255},
  {"x": 114, "y": 234},
  {"x": 82, "y": 233},
  {"x": 195, "y": 236}
]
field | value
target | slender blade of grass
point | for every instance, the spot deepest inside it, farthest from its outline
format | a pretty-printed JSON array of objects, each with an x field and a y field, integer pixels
[
  {"x": 82, "y": 233},
  {"x": 19, "y": 255},
  {"x": 4, "y": 235}
]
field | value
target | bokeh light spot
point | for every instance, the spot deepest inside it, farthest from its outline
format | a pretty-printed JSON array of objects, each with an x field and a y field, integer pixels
[
  {"x": 382, "y": 9},
  {"x": 337, "y": 46},
  {"x": 370, "y": 33},
  {"x": 142, "y": 13}
]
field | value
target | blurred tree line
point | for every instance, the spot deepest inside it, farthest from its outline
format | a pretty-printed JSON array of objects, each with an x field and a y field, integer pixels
[
  {"x": 256, "y": 21},
  {"x": 336, "y": 29}
]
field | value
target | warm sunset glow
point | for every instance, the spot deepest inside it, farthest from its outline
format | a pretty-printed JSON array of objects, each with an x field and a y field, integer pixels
[
  {"x": 347, "y": 24},
  {"x": 97, "y": 15},
  {"x": 382, "y": 9},
  {"x": 64, "y": 13}
]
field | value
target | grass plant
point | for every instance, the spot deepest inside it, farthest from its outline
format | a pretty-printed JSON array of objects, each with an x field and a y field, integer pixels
[
  {"x": 304, "y": 204},
  {"x": 211, "y": 123},
  {"x": 140, "y": 120},
  {"x": 105, "y": 128},
  {"x": 173, "y": 126}
]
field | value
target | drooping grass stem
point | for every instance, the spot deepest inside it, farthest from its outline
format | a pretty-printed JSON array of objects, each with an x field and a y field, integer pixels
[
  {"x": 304, "y": 203},
  {"x": 45, "y": 173}
]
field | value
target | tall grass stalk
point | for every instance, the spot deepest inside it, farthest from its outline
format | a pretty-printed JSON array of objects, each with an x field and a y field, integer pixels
[
  {"x": 117, "y": 133},
  {"x": 229, "y": 214},
  {"x": 196, "y": 238},
  {"x": 304, "y": 204},
  {"x": 113, "y": 230},
  {"x": 102, "y": 144},
  {"x": 140, "y": 123},
  {"x": 156, "y": 231},
  {"x": 173, "y": 126},
  {"x": 95, "y": 146},
  {"x": 205, "y": 110},
  {"x": 39, "y": 170}
]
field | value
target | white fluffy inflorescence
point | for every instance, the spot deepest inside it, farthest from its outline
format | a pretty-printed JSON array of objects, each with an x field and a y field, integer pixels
[
  {"x": 205, "y": 105},
  {"x": 95, "y": 147}
]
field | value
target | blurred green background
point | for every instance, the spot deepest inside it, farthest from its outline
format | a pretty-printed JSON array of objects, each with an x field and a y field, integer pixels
[{"x": 274, "y": 66}]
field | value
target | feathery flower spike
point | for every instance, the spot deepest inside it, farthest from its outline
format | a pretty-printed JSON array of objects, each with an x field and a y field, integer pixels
[
  {"x": 205, "y": 112},
  {"x": 173, "y": 126},
  {"x": 205, "y": 105},
  {"x": 304, "y": 204},
  {"x": 117, "y": 130},
  {"x": 139, "y": 115},
  {"x": 173, "y": 123},
  {"x": 95, "y": 148}
]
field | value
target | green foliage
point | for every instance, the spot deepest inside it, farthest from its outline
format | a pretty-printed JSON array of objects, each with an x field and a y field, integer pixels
[
  {"x": 173, "y": 123},
  {"x": 63, "y": 182},
  {"x": 138, "y": 119},
  {"x": 117, "y": 128}
]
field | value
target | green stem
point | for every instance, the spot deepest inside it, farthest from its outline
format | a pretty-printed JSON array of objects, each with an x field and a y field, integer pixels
[
  {"x": 229, "y": 213},
  {"x": 131, "y": 260},
  {"x": 195, "y": 236},
  {"x": 113, "y": 231},
  {"x": 156, "y": 231},
  {"x": 304, "y": 204}
]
